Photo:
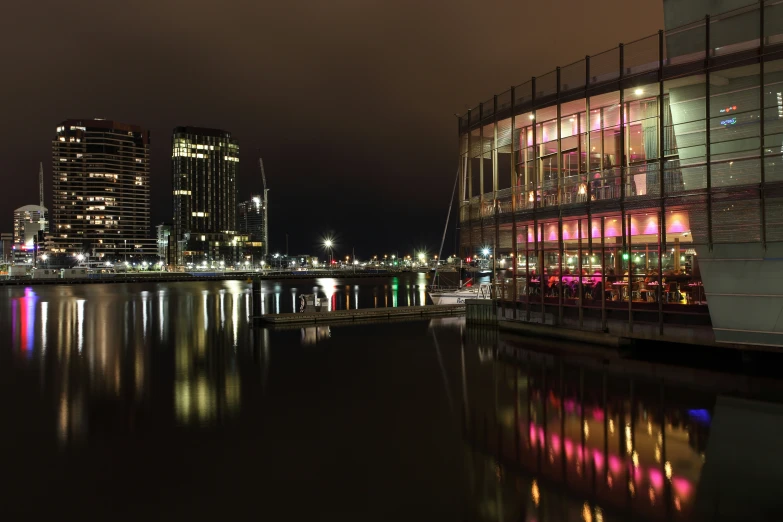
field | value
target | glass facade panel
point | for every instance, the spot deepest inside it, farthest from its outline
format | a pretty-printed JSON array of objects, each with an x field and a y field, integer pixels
[
  {"x": 693, "y": 146},
  {"x": 735, "y": 31},
  {"x": 605, "y": 67}
]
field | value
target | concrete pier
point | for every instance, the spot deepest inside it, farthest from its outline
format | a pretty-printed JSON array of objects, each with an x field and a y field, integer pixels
[{"x": 410, "y": 312}]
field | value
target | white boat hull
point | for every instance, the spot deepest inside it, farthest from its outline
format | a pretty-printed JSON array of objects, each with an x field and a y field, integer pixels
[{"x": 449, "y": 298}]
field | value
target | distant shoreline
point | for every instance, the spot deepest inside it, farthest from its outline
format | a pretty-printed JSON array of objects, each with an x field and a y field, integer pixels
[{"x": 179, "y": 278}]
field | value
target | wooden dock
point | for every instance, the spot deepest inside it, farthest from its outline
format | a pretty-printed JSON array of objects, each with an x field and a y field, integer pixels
[{"x": 362, "y": 314}]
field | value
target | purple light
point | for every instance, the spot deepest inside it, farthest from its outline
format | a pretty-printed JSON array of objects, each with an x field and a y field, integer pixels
[{"x": 702, "y": 416}]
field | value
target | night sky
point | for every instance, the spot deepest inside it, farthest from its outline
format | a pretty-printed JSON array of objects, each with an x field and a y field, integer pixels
[{"x": 350, "y": 102}]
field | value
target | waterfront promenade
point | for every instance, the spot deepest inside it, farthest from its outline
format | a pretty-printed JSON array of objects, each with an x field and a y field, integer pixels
[{"x": 174, "y": 277}]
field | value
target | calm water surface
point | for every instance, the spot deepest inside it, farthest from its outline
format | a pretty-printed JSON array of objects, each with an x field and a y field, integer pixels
[{"x": 161, "y": 401}]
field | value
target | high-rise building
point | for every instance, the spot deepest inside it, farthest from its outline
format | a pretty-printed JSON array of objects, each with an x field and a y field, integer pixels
[
  {"x": 29, "y": 223},
  {"x": 205, "y": 164},
  {"x": 251, "y": 217},
  {"x": 251, "y": 220},
  {"x": 164, "y": 235},
  {"x": 6, "y": 242},
  {"x": 101, "y": 190}
]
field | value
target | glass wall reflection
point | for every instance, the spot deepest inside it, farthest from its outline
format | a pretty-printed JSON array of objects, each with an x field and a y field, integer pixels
[{"x": 554, "y": 437}]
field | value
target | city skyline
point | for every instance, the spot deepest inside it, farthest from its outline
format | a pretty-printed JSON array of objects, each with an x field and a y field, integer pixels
[{"x": 339, "y": 125}]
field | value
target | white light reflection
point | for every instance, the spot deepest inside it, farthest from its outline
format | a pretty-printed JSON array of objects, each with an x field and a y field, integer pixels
[
  {"x": 235, "y": 318},
  {"x": 293, "y": 300},
  {"x": 160, "y": 314},
  {"x": 80, "y": 324},
  {"x": 222, "y": 309},
  {"x": 277, "y": 302},
  {"x": 328, "y": 286},
  {"x": 204, "y": 307},
  {"x": 144, "y": 300},
  {"x": 356, "y": 297},
  {"x": 421, "y": 280},
  {"x": 44, "y": 321}
]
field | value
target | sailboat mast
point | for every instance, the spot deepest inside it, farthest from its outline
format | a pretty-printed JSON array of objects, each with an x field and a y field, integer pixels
[{"x": 446, "y": 228}]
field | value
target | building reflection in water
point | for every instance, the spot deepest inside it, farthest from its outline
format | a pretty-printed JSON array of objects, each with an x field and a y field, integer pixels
[
  {"x": 314, "y": 334},
  {"x": 558, "y": 438},
  {"x": 207, "y": 381},
  {"x": 93, "y": 349}
]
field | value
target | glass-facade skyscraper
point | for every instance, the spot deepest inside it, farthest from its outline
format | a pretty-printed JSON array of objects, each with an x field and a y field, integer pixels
[{"x": 205, "y": 164}]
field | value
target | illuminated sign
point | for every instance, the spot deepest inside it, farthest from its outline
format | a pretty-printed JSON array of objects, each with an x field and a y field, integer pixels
[
  {"x": 729, "y": 109},
  {"x": 730, "y": 121}
]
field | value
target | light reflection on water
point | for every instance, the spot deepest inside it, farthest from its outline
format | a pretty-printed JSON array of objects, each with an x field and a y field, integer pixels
[
  {"x": 550, "y": 438},
  {"x": 108, "y": 325}
]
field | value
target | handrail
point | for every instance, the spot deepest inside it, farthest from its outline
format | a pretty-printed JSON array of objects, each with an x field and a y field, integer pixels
[{"x": 750, "y": 7}]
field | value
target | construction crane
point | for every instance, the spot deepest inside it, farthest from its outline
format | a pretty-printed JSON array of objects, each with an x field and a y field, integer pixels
[{"x": 266, "y": 209}]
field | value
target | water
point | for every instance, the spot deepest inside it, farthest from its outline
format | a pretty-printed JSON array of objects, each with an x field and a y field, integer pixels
[{"x": 160, "y": 400}]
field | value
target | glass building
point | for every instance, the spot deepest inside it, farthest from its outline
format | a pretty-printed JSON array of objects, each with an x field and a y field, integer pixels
[
  {"x": 101, "y": 190},
  {"x": 638, "y": 191},
  {"x": 251, "y": 217},
  {"x": 205, "y": 164}
]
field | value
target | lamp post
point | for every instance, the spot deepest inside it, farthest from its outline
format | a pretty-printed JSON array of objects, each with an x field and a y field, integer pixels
[{"x": 328, "y": 245}]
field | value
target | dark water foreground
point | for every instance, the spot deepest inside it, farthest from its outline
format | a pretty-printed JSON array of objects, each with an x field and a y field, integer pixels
[{"x": 161, "y": 402}]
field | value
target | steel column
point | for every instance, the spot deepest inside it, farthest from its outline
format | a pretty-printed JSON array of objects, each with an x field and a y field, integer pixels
[{"x": 707, "y": 125}]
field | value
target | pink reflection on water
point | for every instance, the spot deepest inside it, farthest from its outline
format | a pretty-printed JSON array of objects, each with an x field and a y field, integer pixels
[
  {"x": 569, "y": 449},
  {"x": 598, "y": 459},
  {"x": 682, "y": 486},
  {"x": 614, "y": 464},
  {"x": 598, "y": 414},
  {"x": 656, "y": 478}
]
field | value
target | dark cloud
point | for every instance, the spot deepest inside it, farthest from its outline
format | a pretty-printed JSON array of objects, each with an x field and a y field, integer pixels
[{"x": 350, "y": 102}]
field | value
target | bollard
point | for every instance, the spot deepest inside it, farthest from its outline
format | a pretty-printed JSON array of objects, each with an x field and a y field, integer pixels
[{"x": 256, "y": 297}]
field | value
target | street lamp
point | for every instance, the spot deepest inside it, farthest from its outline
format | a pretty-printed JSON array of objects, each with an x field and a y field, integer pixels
[{"x": 328, "y": 245}]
